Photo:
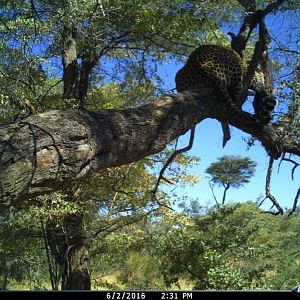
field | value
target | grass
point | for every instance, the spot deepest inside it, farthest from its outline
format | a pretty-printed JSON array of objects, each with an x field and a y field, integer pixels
[{"x": 99, "y": 283}]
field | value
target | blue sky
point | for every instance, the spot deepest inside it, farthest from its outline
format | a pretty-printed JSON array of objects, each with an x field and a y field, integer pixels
[
  {"x": 208, "y": 146},
  {"x": 208, "y": 139}
]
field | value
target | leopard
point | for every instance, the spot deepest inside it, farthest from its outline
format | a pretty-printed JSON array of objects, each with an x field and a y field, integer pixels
[{"x": 225, "y": 69}]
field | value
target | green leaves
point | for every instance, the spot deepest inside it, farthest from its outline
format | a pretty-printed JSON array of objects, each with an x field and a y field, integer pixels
[
  {"x": 232, "y": 171},
  {"x": 231, "y": 247}
]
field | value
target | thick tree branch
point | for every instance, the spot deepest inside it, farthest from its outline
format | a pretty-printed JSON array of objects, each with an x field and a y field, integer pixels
[
  {"x": 251, "y": 20},
  {"x": 46, "y": 152},
  {"x": 273, "y": 140},
  {"x": 69, "y": 61},
  {"x": 261, "y": 47},
  {"x": 50, "y": 151},
  {"x": 88, "y": 63}
]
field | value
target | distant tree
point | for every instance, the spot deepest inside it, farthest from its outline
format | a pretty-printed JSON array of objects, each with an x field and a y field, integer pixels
[{"x": 231, "y": 172}]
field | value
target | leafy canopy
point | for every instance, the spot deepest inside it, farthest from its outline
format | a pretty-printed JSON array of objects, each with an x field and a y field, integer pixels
[{"x": 231, "y": 171}]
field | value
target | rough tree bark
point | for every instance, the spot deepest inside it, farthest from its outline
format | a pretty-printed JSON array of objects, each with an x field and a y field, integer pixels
[
  {"x": 74, "y": 261},
  {"x": 69, "y": 246},
  {"x": 50, "y": 151},
  {"x": 70, "y": 65}
]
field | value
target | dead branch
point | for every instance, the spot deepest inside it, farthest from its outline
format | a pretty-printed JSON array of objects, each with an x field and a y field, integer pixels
[
  {"x": 295, "y": 203},
  {"x": 291, "y": 161},
  {"x": 169, "y": 161},
  {"x": 251, "y": 20},
  {"x": 268, "y": 191}
]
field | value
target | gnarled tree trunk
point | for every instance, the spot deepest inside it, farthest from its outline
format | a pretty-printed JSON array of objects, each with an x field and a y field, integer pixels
[
  {"x": 70, "y": 248},
  {"x": 50, "y": 151},
  {"x": 76, "y": 274}
]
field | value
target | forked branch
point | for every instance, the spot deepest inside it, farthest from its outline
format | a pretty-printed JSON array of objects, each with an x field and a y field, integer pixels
[
  {"x": 268, "y": 194},
  {"x": 171, "y": 159}
]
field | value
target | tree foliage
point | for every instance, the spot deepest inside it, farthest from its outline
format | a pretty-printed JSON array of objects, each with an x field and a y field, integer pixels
[
  {"x": 107, "y": 55},
  {"x": 232, "y": 247},
  {"x": 231, "y": 171},
  {"x": 220, "y": 248}
]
